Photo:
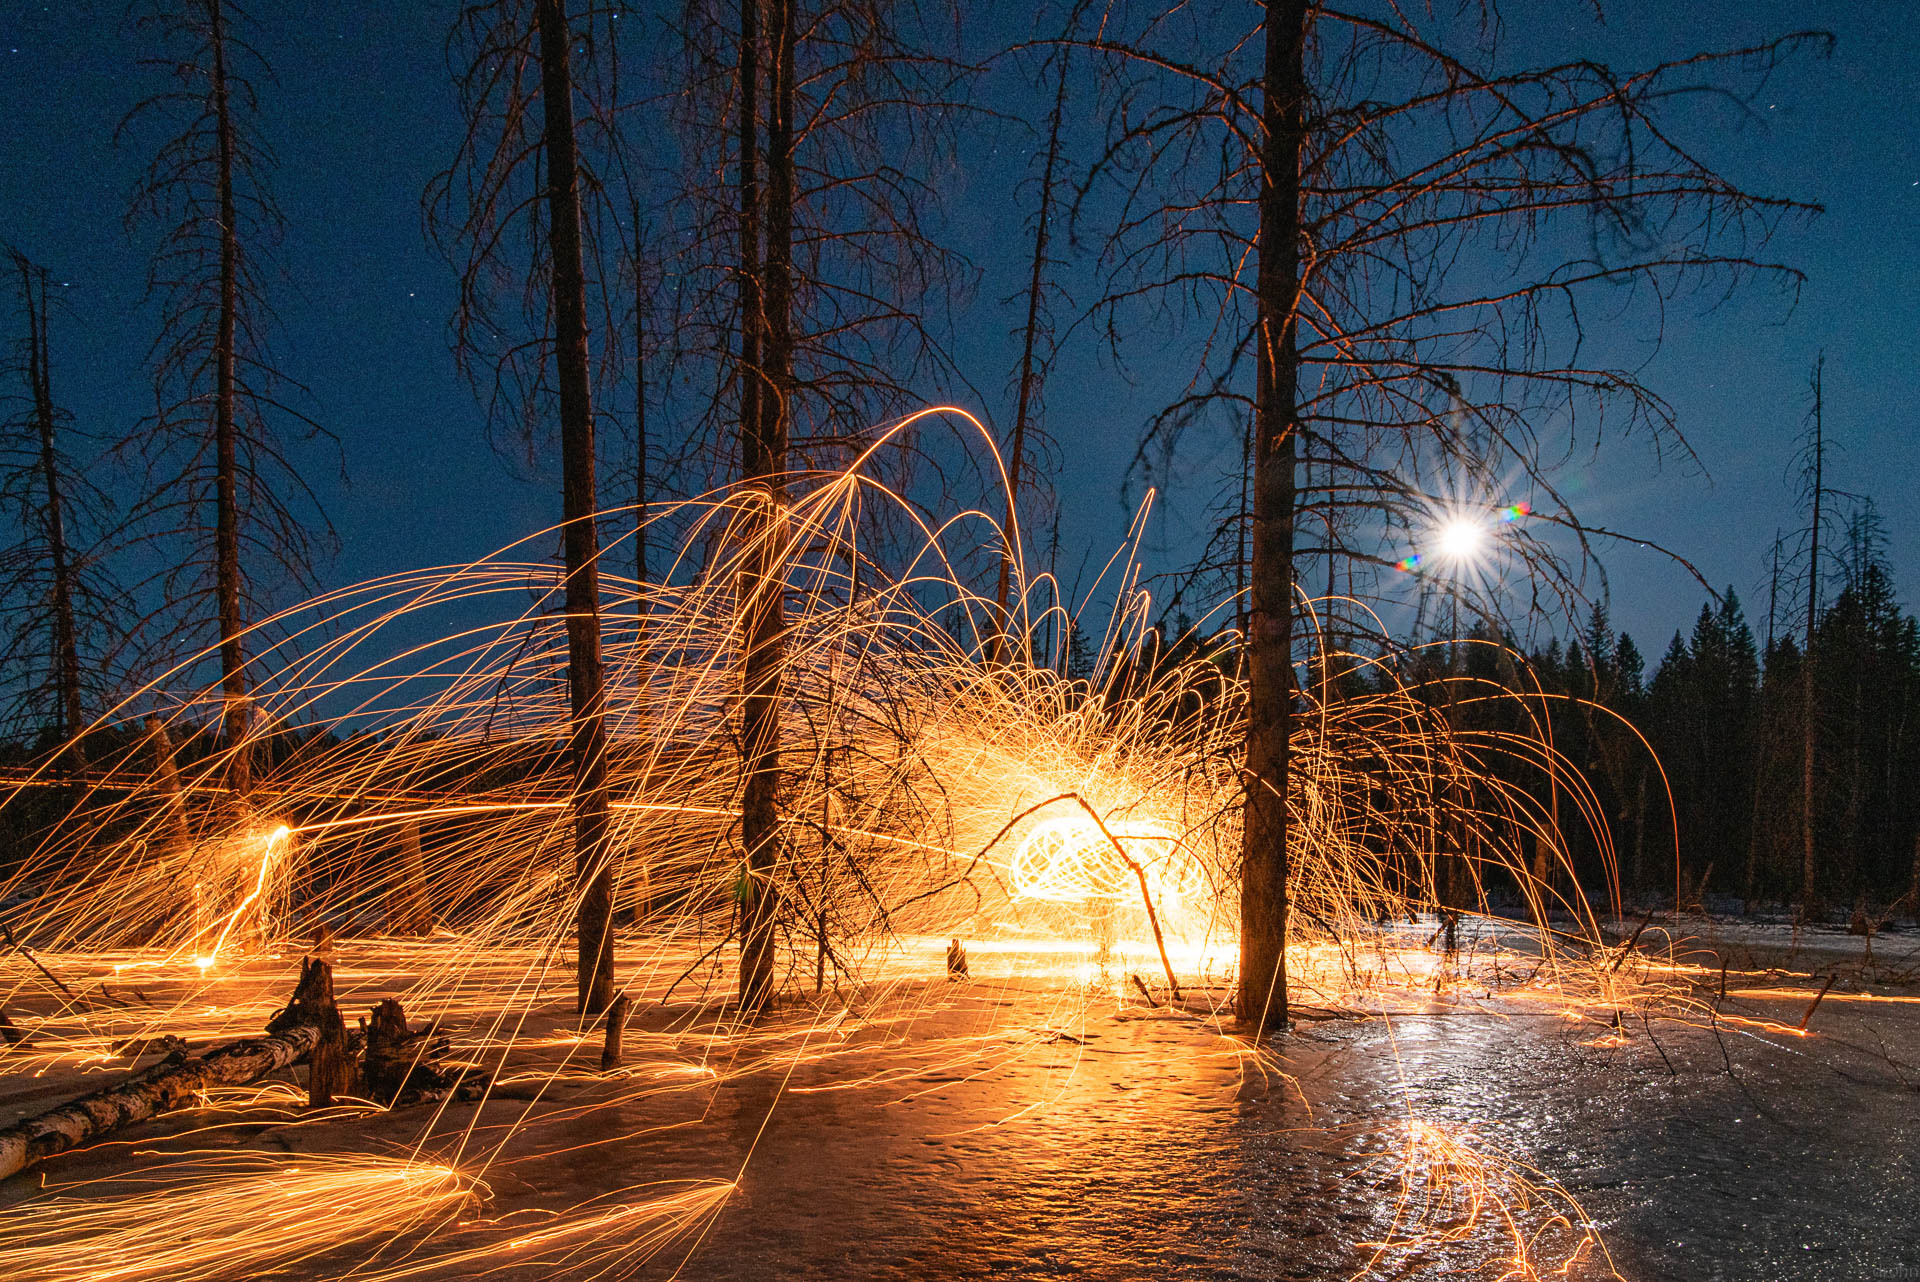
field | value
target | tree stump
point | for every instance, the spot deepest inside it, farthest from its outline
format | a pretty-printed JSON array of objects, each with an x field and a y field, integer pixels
[
  {"x": 390, "y": 1051},
  {"x": 399, "y": 1068},
  {"x": 329, "y": 1066}
]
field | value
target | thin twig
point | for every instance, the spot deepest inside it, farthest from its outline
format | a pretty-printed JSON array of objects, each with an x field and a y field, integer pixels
[
  {"x": 1815, "y": 1003},
  {"x": 27, "y": 953}
]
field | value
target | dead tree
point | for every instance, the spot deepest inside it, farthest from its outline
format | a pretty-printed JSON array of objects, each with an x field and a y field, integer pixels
[
  {"x": 1327, "y": 197},
  {"x": 401, "y": 1067},
  {"x": 1812, "y": 905},
  {"x": 521, "y": 165},
  {"x": 61, "y": 601},
  {"x": 616, "y": 1027},
  {"x": 220, "y": 486},
  {"x": 170, "y": 829},
  {"x": 642, "y": 448},
  {"x": 808, "y": 300},
  {"x": 763, "y": 465},
  {"x": 409, "y": 908},
  {"x": 1036, "y": 349}
]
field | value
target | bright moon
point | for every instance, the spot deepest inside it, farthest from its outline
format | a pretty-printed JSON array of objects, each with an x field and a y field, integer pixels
[{"x": 1460, "y": 540}]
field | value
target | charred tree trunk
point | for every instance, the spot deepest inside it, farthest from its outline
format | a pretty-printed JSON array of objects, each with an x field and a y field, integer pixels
[
  {"x": 1913, "y": 885},
  {"x": 616, "y": 1023},
  {"x": 1811, "y": 905},
  {"x": 763, "y": 463},
  {"x": 226, "y": 536},
  {"x": 409, "y": 908},
  {"x": 400, "y": 1065},
  {"x": 641, "y": 483},
  {"x": 166, "y": 778},
  {"x": 66, "y": 646},
  {"x": 642, "y": 597},
  {"x": 1029, "y": 378},
  {"x": 1263, "y": 888},
  {"x": 292, "y": 1036},
  {"x": 586, "y": 677},
  {"x": 330, "y": 1068}
]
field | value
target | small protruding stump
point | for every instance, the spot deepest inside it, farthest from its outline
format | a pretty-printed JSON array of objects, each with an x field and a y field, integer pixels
[
  {"x": 391, "y": 1051},
  {"x": 616, "y": 1027}
]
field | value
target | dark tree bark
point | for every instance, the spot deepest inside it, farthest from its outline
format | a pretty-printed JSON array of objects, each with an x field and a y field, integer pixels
[
  {"x": 762, "y": 589},
  {"x": 409, "y": 907},
  {"x": 1029, "y": 383},
  {"x": 616, "y": 1026},
  {"x": 1913, "y": 883},
  {"x": 66, "y": 647},
  {"x": 1811, "y": 904},
  {"x": 175, "y": 838},
  {"x": 586, "y": 675},
  {"x": 233, "y": 659},
  {"x": 1263, "y": 888},
  {"x": 642, "y": 484}
]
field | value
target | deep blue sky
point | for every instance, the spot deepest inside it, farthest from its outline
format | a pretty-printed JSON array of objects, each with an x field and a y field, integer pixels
[{"x": 362, "y": 115}]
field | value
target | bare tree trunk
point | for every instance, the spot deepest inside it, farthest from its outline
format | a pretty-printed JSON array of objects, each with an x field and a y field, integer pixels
[
  {"x": 586, "y": 677},
  {"x": 66, "y": 649},
  {"x": 641, "y": 485},
  {"x": 1023, "y": 408},
  {"x": 175, "y": 839},
  {"x": 642, "y": 491},
  {"x": 1263, "y": 887},
  {"x": 409, "y": 907},
  {"x": 616, "y": 1027},
  {"x": 226, "y": 538},
  {"x": 764, "y": 461},
  {"x": 1811, "y": 906}
]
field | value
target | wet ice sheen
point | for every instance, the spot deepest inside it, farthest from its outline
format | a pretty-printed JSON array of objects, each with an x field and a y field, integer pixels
[{"x": 1143, "y": 1153}]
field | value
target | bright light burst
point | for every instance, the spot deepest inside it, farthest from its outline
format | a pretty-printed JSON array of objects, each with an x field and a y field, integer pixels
[
  {"x": 1461, "y": 541},
  {"x": 1461, "y": 537}
]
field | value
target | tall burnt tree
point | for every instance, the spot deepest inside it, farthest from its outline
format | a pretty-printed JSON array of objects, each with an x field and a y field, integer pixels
[
  {"x": 522, "y": 176},
  {"x": 1395, "y": 236},
  {"x": 222, "y": 491},
  {"x": 808, "y": 300},
  {"x": 1811, "y": 901},
  {"x": 763, "y": 462},
  {"x": 61, "y": 601},
  {"x": 1028, "y": 443}
]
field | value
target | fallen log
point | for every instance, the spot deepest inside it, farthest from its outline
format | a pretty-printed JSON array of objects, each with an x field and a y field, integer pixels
[{"x": 291, "y": 1037}]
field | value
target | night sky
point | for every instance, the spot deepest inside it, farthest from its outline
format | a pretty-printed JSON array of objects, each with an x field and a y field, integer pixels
[{"x": 363, "y": 114}]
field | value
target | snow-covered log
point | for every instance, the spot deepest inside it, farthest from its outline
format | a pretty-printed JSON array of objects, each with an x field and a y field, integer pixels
[{"x": 291, "y": 1037}]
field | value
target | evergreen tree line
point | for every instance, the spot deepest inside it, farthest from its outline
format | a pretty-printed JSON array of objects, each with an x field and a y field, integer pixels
[{"x": 1723, "y": 720}]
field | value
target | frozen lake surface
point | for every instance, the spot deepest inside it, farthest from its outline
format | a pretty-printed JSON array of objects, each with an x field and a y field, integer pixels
[{"x": 1008, "y": 1126}]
